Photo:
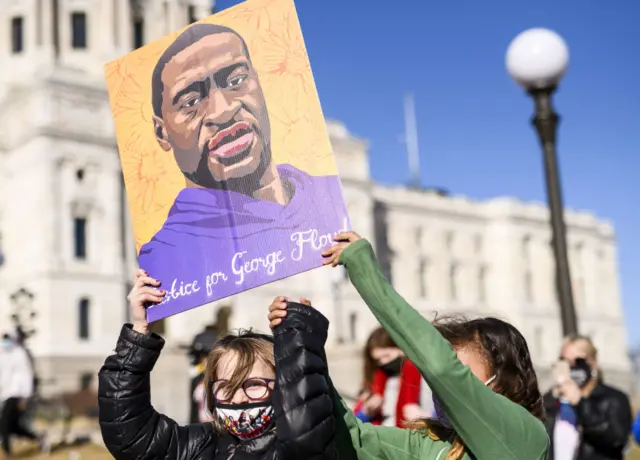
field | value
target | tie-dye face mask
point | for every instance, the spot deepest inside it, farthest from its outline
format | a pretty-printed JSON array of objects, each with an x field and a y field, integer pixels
[{"x": 245, "y": 421}]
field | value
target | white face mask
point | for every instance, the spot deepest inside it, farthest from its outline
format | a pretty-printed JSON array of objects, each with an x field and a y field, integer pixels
[{"x": 441, "y": 415}]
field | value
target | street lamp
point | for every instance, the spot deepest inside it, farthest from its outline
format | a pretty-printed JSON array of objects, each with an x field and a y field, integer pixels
[{"x": 537, "y": 59}]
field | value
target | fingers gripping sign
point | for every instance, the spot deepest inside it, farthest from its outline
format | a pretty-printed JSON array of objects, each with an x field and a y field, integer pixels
[
  {"x": 278, "y": 310},
  {"x": 343, "y": 240},
  {"x": 145, "y": 292}
]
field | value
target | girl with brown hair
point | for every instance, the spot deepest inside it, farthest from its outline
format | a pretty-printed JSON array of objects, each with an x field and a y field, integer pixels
[
  {"x": 269, "y": 396},
  {"x": 486, "y": 395}
]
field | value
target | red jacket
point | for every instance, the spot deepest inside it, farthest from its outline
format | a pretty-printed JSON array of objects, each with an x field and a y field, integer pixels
[{"x": 409, "y": 391}]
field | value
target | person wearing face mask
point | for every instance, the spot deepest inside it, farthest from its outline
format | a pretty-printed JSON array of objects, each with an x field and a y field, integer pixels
[
  {"x": 268, "y": 395},
  {"x": 480, "y": 371},
  {"x": 586, "y": 419},
  {"x": 393, "y": 390}
]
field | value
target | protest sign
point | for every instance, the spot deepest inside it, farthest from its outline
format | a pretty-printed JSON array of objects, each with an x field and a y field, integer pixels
[{"x": 228, "y": 167}]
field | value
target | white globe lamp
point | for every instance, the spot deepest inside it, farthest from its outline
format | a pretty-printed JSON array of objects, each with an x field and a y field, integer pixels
[{"x": 537, "y": 59}]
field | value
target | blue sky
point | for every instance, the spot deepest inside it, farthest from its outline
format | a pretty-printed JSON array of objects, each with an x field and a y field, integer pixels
[{"x": 475, "y": 137}]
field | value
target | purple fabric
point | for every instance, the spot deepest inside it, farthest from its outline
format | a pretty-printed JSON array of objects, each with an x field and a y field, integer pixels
[{"x": 218, "y": 243}]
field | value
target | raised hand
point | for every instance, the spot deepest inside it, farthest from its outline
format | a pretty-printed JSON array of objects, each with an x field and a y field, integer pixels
[
  {"x": 145, "y": 290},
  {"x": 332, "y": 255},
  {"x": 278, "y": 310}
]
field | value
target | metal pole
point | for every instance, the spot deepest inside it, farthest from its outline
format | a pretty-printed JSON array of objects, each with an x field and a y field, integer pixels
[{"x": 545, "y": 120}]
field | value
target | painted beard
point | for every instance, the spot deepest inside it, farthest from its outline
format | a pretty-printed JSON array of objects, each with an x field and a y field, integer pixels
[
  {"x": 246, "y": 184},
  {"x": 245, "y": 421}
]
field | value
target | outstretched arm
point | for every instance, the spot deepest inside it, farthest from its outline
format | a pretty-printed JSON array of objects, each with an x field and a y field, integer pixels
[
  {"x": 305, "y": 420},
  {"x": 131, "y": 428},
  {"x": 489, "y": 424}
]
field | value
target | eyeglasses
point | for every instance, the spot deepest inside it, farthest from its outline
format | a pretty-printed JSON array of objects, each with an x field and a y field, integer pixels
[{"x": 256, "y": 389}]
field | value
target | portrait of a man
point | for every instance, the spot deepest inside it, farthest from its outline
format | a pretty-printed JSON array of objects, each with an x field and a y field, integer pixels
[{"x": 241, "y": 220}]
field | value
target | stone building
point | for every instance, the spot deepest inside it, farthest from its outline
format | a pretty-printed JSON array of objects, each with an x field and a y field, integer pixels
[{"x": 67, "y": 252}]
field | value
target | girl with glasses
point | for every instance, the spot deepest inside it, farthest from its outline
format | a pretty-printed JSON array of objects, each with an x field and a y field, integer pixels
[{"x": 260, "y": 410}]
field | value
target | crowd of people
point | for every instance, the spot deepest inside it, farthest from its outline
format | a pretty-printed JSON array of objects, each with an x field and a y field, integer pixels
[{"x": 449, "y": 389}]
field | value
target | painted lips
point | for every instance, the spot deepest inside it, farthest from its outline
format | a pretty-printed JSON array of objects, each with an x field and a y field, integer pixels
[{"x": 231, "y": 141}]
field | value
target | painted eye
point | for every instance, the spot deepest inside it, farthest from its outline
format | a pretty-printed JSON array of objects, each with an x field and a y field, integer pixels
[
  {"x": 191, "y": 102},
  {"x": 236, "y": 81}
]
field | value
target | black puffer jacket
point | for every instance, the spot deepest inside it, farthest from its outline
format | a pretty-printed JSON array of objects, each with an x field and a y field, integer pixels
[
  {"x": 304, "y": 426},
  {"x": 604, "y": 420}
]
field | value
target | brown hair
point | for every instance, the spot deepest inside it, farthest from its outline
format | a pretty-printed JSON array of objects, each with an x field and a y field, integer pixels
[
  {"x": 506, "y": 354},
  {"x": 379, "y": 338},
  {"x": 249, "y": 347}
]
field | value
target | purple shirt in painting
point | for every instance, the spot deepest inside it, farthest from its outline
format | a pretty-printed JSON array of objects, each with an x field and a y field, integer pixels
[{"x": 216, "y": 243}]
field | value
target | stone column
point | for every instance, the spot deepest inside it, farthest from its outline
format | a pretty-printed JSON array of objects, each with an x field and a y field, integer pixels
[
  {"x": 46, "y": 45},
  {"x": 124, "y": 26}
]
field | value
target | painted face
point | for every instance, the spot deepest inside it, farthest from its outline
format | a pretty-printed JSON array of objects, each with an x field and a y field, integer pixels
[{"x": 214, "y": 115}]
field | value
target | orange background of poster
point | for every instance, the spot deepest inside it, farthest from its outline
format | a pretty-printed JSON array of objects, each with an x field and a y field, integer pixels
[{"x": 299, "y": 137}]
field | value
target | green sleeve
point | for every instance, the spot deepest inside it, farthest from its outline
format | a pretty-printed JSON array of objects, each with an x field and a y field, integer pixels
[
  {"x": 365, "y": 441},
  {"x": 490, "y": 425}
]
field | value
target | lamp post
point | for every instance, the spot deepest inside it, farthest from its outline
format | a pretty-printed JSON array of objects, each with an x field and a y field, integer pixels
[{"x": 537, "y": 60}]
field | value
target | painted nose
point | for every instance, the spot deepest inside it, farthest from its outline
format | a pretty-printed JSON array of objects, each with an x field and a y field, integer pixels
[{"x": 221, "y": 108}]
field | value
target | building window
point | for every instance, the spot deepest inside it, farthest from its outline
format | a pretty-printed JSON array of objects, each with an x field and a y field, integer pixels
[
  {"x": 17, "y": 35},
  {"x": 579, "y": 257},
  {"x": 138, "y": 33},
  {"x": 86, "y": 379},
  {"x": 191, "y": 13},
  {"x": 80, "y": 175},
  {"x": 539, "y": 342},
  {"x": 80, "y": 238},
  {"x": 78, "y": 30},
  {"x": 453, "y": 282},
  {"x": 418, "y": 237},
  {"x": 477, "y": 244},
  {"x": 526, "y": 248},
  {"x": 422, "y": 279},
  {"x": 116, "y": 22},
  {"x": 528, "y": 287},
  {"x": 83, "y": 318},
  {"x": 448, "y": 241},
  {"x": 1, "y": 251},
  {"x": 482, "y": 284},
  {"x": 353, "y": 326},
  {"x": 579, "y": 291}
]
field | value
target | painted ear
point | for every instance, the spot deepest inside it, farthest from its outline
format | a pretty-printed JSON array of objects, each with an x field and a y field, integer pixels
[{"x": 161, "y": 133}]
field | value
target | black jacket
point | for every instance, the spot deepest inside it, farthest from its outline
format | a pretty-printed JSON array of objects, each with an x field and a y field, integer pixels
[
  {"x": 304, "y": 423},
  {"x": 604, "y": 420}
]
